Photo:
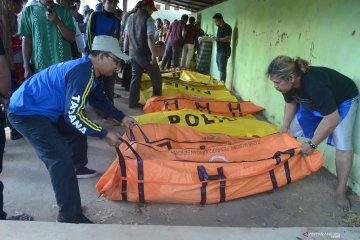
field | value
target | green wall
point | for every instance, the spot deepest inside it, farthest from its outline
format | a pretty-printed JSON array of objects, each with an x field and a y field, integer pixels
[{"x": 325, "y": 32}]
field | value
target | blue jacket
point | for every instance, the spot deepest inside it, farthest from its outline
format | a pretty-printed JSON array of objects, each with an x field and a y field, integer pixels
[{"x": 63, "y": 90}]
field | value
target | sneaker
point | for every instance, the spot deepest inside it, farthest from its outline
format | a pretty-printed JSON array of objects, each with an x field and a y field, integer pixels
[
  {"x": 15, "y": 135},
  {"x": 84, "y": 172},
  {"x": 77, "y": 219}
]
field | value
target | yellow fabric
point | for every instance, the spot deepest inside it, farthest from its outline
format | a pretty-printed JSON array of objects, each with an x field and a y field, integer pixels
[
  {"x": 146, "y": 77},
  {"x": 189, "y": 76},
  {"x": 172, "y": 87},
  {"x": 208, "y": 123}
]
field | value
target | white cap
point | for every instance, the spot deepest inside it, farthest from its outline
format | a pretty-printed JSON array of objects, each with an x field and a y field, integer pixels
[{"x": 109, "y": 44}]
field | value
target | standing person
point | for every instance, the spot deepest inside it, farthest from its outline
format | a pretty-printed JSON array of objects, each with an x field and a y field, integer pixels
[
  {"x": 201, "y": 32},
  {"x": 62, "y": 92},
  {"x": 77, "y": 47},
  {"x": 16, "y": 7},
  {"x": 127, "y": 71},
  {"x": 87, "y": 11},
  {"x": 78, "y": 16},
  {"x": 140, "y": 42},
  {"x": 190, "y": 42},
  {"x": 166, "y": 27},
  {"x": 223, "y": 39},
  {"x": 105, "y": 23},
  {"x": 174, "y": 41},
  {"x": 320, "y": 103},
  {"x": 48, "y": 31},
  {"x": 125, "y": 20},
  {"x": 17, "y": 73},
  {"x": 118, "y": 14},
  {"x": 99, "y": 7},
  {"x": 5, "y": 93},
  {"x": 158, "y": 29}
]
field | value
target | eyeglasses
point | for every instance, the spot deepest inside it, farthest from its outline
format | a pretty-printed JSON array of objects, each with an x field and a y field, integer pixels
[{"x": 116, "y": 60}]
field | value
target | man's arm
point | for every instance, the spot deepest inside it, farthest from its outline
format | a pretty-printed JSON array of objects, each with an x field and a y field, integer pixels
[
  {"x": 126, "y": 43},
  {"x": 150, "y": 28},
  {"x": 289, "y": 114},
  {"x": 5, "y": 78},
  {"x": 26, "y": 51},
  {"x": 226, "y": 39},
  {"x": 66, "y": 32},
  {"x": 5, "y": 82},
  {"x": 151, "y": 43},
  {"x": 168, "y": 33},
  {"x": 183, "y": 33},
  {"x": 327, "y": 126},
  {"x": 98, "y": 100}
]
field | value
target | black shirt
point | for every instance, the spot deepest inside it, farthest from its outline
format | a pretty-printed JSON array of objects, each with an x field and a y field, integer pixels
[
  {"x": 322, "y": 89},
  {"x": 224, "y": 31},
  {"x": 2, "y": 50}
]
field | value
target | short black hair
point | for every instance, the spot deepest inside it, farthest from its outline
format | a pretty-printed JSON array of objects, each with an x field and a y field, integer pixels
[
  {"x": 192, "y": 19},
  {"x": 218, "y": 16},
  {"x": 184, "y": 17}
]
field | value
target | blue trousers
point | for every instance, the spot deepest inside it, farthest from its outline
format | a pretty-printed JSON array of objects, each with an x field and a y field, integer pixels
[
  {"x": 171, "y": 53},
  {"x": 221, "y": 61},
  {"x": 52, "y": 144}
]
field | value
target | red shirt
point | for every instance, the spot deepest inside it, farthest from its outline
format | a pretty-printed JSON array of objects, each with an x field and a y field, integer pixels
[
  {"x": 174, "y": 35},
  {"x": 192, "y": 33}
]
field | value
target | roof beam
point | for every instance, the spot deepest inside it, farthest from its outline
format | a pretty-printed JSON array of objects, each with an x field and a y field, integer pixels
[
  {"x": 183, "y": 3},
  {"x": 188, "y": 7}
]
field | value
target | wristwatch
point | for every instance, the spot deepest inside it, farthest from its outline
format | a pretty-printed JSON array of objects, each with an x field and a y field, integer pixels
[{"x": 312, "y": 145}]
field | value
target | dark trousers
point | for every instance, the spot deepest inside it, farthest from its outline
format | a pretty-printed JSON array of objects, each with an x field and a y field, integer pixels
[
  {"x": 108, "y": 84},
  {"x": 221, "y": 61},
  {"x": 76, "y": 140},
  {"x": 51, "y": 144},
  {"x": 127, "y": 75},
  {"x": 2, "y": 146},
  {"x": 139, "y": 65},
  {"x": 173, "y": 53}
]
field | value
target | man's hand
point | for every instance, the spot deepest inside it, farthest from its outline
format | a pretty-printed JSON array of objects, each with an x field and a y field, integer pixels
[
  {"x": 4, "y": 104},
  {"x": 113, "y": 139},
  {"x": 27, "y": 72},
  {"x": 306, "y": 149},
  {"x": 129, "y": 122},
  {"x": 153, "y": 60},
  {"x": 283, "y": 129},
  {"x": 52, "y": 17}
]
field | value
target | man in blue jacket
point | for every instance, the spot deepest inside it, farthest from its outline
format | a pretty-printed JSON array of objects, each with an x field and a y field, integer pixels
[
  {"x": 105, "y": 23},
  {"x": 57, "y": 95}
]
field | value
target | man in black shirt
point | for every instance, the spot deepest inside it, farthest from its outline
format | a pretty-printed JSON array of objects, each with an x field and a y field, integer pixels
[
  {"x": 223, "y": 39},
  {"x": 315, "y": 95}
]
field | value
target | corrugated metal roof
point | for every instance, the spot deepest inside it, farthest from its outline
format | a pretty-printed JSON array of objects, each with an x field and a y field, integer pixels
[{"x": 191, "y": 5}]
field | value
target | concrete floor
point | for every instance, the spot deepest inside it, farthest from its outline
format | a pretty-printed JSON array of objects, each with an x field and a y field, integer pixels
[
  {"x": 25, "y": 230},
  {"x": 305, "y": 203}
]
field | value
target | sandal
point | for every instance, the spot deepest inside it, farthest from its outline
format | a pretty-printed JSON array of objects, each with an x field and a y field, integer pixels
[{"x": 20, "y": 217}]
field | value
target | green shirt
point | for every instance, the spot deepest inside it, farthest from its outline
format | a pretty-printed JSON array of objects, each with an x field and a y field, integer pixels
[{"x": 48, "y": 45}]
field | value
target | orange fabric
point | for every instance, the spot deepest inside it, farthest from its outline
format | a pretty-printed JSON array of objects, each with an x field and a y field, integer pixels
[
  {"x": 233, "y": 169},
  {"x": 185, "y": 101}
]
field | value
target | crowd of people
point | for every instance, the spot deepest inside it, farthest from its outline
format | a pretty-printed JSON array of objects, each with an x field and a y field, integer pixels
[{"x": 54, "y": 60}]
